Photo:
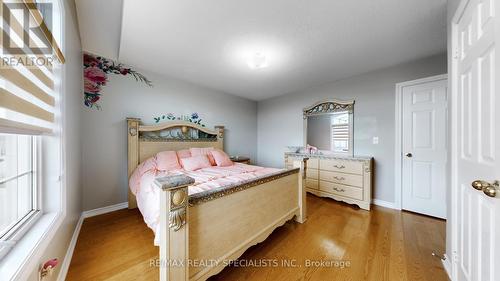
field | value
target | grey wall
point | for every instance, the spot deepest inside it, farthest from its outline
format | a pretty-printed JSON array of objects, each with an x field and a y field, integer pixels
[
  {"x": 104, "y": 131},
  {"x": 72, "y": 92},
  {"x": 280, "y": 118}
]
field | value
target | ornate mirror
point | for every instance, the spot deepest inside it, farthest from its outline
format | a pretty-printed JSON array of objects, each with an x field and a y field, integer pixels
[{"x": 328, "y": 126}]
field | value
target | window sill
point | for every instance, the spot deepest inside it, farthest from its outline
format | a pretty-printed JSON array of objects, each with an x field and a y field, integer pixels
[{"x": 21, "y": 260}]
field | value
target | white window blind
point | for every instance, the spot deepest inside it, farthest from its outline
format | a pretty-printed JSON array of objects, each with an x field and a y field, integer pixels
[
  {"x": 341, "y": 132},
  {"x": 27, "y": 98}
]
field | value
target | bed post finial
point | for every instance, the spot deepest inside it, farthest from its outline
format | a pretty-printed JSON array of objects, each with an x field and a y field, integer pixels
[
  {"x": 220, "y": 131},
  {"x": 174, "y": 227},
  {"x": 133, "y": 126},
  {"x": 220, "y": 136}
]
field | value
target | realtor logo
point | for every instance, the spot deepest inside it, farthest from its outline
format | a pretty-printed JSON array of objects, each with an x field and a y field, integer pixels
[{"x": 23, "y": 40}]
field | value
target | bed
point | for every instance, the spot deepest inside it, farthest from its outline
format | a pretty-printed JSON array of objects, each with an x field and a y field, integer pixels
[{"x": 202, "y": 225}]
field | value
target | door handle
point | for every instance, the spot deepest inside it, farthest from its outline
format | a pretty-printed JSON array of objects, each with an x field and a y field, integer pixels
[
  {"x": 409, "y": 155},
  {"x": 480, "y": 185},
  {"x": 490, "y": 189}
]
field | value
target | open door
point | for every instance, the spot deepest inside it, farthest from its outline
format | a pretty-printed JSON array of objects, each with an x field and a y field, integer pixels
[{"x": 476, "y": 141}]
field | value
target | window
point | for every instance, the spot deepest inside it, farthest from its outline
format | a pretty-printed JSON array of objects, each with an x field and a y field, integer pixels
[
  {"x": 18, "y": 183},
  {"x": 341, "y": 132},
  {"x": 30, "y": 80}
]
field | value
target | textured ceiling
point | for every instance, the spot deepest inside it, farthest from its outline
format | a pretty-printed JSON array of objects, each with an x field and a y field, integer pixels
[{"x": 305, "y": 42}]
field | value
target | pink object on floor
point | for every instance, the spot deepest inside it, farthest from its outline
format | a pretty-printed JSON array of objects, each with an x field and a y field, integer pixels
[
  {"x": 48, "y": 268},
  {"x": 52, "y": 263}
]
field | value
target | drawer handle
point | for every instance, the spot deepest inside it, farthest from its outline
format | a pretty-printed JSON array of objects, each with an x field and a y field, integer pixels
[
  {"x": 339, "y": 190},
  {"x": 339, "y": 179},
  {"x": 339, "y": 167}
]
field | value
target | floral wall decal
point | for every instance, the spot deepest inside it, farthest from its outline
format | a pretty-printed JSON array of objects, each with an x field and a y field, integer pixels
[
  {"x": 95, "y": 76},
  {"x": 193, "y": 118}
]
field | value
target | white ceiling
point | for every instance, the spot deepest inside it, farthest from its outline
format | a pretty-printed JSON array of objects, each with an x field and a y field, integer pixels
[
  {"x": 100, "y": 25},
  {"x": 306, "y": 42}
]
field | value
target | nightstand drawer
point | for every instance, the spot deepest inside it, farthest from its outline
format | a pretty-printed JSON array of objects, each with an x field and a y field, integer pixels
[
  {"x": 351, "y": 167},
  {"x": 341, "y": 178},
  {"x": 342, "y": 190}
]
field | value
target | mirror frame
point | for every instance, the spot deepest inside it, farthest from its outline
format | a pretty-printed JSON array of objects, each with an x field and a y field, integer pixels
[{"x": 327, "y": 107}]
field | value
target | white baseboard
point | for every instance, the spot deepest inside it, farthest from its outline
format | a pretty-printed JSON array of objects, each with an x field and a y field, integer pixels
[
  {"x": 385, "y": 204},
  {"x": 104, "y": 210},
  {"x": 74, "y": 238},
  {"x": 447, "y": 265},
  {"x": 69, "y": 252}
]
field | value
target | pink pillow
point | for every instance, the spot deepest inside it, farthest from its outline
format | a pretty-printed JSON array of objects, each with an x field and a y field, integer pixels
[
  {"x": 167, "y": 160},
  {"x": 195, "y": 151},
  {"x": 221, "y": 158},
  {"x": 185, "y": 153},
  {"x": 195, "y": 163}
]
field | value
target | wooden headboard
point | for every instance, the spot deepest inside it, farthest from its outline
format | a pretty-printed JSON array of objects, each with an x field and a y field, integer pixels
[{"x": 145, "y": 141}]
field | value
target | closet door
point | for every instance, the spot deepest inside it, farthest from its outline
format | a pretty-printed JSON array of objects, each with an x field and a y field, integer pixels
[{"x": 425, "y": 147}]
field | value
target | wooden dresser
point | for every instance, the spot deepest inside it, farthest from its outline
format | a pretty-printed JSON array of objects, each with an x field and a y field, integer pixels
[{"x": 347, "y": 179}]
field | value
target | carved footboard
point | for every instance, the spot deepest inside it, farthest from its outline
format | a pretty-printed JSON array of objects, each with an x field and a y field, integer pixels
[{"x": 202, "y": 233}]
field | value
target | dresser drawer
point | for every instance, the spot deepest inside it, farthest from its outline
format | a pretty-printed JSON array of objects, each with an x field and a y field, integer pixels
[
  {"x": 312, "y": 173},
  {"x": 352, "y": 167},
  {"x": 313, "y": 163},
  {"x": 342, "y": 190},
  {"x": 335, "y": 177},
  {"x": 310, "y": 183}
]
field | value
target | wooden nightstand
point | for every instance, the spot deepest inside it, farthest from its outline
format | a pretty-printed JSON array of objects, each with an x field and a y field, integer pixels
[{"x": 240, "y": 159}]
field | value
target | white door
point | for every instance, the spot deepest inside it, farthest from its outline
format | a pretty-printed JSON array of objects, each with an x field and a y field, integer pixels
[
  {"x": 476, "y": 147},
  {"x": 425, "y": 147}
]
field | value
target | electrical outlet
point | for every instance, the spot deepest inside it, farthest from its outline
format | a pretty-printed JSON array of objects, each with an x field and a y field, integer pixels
[{"x": 375, "y": 140}]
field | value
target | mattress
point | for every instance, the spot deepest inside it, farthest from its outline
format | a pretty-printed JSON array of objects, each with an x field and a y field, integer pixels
[{"x": 206, "y": 179}]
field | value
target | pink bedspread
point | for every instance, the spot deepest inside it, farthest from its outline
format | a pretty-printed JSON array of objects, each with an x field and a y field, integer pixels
[{"x": 148, "y": 196}]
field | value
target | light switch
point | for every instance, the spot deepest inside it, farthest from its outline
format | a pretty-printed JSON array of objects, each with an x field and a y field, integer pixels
[{"x": 375, "y": 140}]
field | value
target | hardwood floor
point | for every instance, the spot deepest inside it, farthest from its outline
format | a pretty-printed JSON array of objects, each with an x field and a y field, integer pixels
[{"x": 383, "y": 244}]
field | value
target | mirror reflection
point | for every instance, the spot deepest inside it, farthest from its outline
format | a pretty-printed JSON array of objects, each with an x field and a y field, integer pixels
[{"x": 331, "y": 130}]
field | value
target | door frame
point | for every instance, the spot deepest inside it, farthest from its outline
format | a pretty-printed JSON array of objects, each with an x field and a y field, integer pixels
[{"x": 398, "y": 169}]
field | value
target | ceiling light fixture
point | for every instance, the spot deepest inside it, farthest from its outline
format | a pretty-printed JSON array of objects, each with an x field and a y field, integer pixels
[{"x": 257, "y": 61}]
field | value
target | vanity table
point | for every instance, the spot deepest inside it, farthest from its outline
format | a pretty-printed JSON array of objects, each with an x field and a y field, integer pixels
[
  {"x": 343, "y": 178},
  {"x": 332, "y": 169}
]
